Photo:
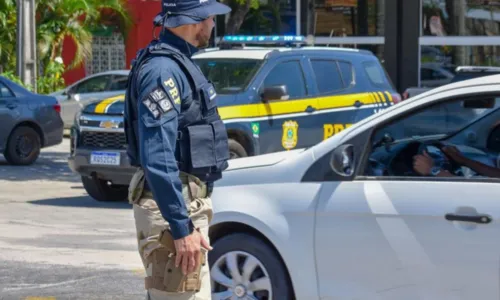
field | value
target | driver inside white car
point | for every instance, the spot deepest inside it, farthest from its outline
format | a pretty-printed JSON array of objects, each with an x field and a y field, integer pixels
[{"x": 424, "y": 165}]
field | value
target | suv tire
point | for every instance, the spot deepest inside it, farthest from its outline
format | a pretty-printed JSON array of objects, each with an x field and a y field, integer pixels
[
  {"x": 101, "y": 191},
  {"x": 243, "y": 246},
  {"x": 236, "y": 150},
  {"x": 23, "y": 146}
]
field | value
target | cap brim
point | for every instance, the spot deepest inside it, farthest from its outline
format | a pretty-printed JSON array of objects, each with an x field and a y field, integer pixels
[
  {"x": 199, "y": 14},
  {"x": 217, "y": 8}
]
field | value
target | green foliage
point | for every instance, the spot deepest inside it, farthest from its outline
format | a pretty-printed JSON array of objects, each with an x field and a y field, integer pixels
[
  {"x": 58, "y": 20},
  {"x": 52, "y": 79},
  {"x": 254, "y": 4}
]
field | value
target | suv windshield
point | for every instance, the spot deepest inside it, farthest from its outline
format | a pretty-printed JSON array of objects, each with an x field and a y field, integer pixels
[{"x": 229, "y": 75}]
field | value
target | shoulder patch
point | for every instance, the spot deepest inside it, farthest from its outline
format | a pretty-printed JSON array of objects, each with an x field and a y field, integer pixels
[
  {"x": 173, "y": 91},
  {"x": 157, "y": 102}
]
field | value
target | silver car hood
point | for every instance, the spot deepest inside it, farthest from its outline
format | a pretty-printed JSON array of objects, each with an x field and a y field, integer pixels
[{"x": 261, "y": 160}]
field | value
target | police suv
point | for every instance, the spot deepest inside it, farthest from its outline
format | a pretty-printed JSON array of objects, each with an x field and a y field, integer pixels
[{"x": 270, "y": 98}]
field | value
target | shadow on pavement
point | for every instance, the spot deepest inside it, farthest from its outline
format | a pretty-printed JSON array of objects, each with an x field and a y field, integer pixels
[
  {"x": 81, "y": 201},
  {"x": 49, "y": 166}
]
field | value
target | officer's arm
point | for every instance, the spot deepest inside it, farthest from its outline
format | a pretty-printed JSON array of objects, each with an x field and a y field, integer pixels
[{"x": 158, "y": 108}]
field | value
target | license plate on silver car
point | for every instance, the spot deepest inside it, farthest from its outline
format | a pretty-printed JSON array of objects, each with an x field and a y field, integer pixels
[{"x": 105, "y": 158}]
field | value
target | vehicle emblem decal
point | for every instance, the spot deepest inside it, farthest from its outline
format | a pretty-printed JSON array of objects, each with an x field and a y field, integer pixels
[{"x": 290, "y": 134}]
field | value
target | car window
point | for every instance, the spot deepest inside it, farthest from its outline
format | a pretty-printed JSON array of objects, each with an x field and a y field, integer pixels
[
  {"x": 289, "y": 74},
  {"x": 119, "y": 83},
  {"x": 93, "y": 85},
  {"x": 396, "y": 144},
  {"x": 327, "y": 73},
  {"x": 4, "y": 91},
  {"x": 229, "y": 75},
  {"x": 376, "y": 74},
  {"x": 347, "y": 71}
]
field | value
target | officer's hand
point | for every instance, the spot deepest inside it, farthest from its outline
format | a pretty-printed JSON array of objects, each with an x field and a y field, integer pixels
[{"x": 188, "y": 251}]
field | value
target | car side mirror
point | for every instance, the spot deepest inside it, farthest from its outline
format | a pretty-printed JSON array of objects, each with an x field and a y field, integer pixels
[
  {"x": 342, "y": 160},
  {"x": 275, "y": 92}
]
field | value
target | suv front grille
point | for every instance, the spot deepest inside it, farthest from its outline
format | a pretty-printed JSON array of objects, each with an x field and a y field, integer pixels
[{"x": 104, "y": 140}]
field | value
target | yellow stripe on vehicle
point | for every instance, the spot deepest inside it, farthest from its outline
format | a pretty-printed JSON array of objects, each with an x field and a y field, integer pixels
[
  {"x": 389, "y": 96},
  {"x": 104, "y": 104},
  {"x": 292, "y": 106},
  {"x": 386, "y": 103}
]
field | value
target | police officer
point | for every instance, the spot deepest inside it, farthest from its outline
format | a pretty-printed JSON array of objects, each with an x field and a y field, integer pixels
[{"x": 179, "y": 145}]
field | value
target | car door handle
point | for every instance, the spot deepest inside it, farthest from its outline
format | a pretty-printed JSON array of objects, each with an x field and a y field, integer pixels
[
  {"x": 480, "y": 219},
  {"x": 310, "y": 109},
  {"x": 358, "y": 103},
  {"x": 11, "y": 105}
]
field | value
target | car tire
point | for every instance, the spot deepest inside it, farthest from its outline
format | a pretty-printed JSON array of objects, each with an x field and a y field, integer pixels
[
  {"x": 23, "y": 147},
  {"x": 236, "y": 150},
  {"x": 246, "y": 246},
  {"x": 101, "y": 191}
]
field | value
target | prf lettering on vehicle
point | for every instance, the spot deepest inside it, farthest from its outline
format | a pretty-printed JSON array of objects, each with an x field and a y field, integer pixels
[{"x": 331, "y": 129}]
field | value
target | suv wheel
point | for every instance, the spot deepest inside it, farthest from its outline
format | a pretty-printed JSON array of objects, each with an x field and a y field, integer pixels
[
  {"x": 236, "y": 150},
  {"x": 242, "y": 265},
  {"x": 100, "y": 190},
  {"x": 23, "y": 146}
]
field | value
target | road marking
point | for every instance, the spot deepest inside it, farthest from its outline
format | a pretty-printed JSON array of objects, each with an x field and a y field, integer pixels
[{"x": 42, "y": 286}]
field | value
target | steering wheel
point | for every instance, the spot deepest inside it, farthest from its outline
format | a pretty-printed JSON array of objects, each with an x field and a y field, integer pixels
[{"x": 450, "y": 165}]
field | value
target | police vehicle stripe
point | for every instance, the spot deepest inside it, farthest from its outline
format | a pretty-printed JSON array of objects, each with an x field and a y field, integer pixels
[
  {"x": 298, "y": 106},
  {"x": 375, "y": 99},
  {"x": 295, "y": 115},
  {"x": 390, "y": 97},
  {"x": 383, "y": 99},
  {"x": 102, "y": 107}
]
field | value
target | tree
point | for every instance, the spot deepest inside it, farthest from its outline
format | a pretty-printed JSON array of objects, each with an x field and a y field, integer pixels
[
  {"x": 8, "y": 27},
  {"x": 75, "y": 19},
  {"x": 240, "y": 9}
]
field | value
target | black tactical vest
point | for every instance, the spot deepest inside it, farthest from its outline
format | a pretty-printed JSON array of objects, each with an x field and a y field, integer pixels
[{"x": 202, "y": 142}]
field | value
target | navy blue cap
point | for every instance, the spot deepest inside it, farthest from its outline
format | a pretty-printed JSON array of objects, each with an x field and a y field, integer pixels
[{"x": 182, "y": 12}]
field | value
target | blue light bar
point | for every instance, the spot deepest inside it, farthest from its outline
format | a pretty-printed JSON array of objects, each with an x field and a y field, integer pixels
[{"x": 263, "y": 39}]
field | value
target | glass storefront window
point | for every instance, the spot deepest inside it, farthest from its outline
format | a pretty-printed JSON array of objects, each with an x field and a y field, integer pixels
[
  {"x": 339, "y": 18},
  {"x": 460, "y": 18},
  {"x": 438, "y": 63}
]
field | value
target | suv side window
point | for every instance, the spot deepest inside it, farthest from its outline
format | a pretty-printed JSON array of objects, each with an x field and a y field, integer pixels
[
  {"x": 376, "y": 74},
  {"x": 288, "y": 73},
  {"x": 119, "y": 83},
  {"x": 328, "y": 77},
  {"x": 94, "y": 85},
  {"x": 4, "y": 91}
]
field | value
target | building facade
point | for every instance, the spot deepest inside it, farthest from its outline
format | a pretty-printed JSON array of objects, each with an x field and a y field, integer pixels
[{"x": 420, "y": 42}]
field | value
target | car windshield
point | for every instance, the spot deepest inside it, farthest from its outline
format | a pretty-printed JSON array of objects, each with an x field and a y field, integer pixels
[{"x": 229, "y": 75}]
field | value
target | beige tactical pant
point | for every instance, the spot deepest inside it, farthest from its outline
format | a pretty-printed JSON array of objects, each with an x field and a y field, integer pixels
[{"x": 156, "y": 257}]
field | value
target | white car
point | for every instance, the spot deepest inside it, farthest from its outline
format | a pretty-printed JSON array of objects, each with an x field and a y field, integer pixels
[
  {"x": 94, "y": 87},
  {"x": 349, "y": 218}
]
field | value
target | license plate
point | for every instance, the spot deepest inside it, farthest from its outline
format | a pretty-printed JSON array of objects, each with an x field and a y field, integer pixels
[{"x": 105, "y": 158}]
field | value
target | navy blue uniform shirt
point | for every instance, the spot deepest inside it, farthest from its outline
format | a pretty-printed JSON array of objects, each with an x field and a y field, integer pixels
[{"x": 161, "y": 80}]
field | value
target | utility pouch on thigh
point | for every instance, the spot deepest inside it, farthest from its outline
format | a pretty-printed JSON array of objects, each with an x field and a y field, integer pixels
[
  {"x": 136, "y": 187},
  {"x": 174, "y": 280}
]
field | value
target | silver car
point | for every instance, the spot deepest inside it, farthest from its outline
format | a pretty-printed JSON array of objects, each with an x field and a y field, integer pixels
[
  {"x": 91, "y": 88},
  {"x": 351, "y": 218}
]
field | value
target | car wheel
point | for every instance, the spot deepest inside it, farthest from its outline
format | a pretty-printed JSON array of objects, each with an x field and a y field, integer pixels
[
  {"x": 242, "y": 265},
  {"x": 236, "y": 150},
  {"x": 23, "y": 146},
  {"x": 100, "y": 190}
]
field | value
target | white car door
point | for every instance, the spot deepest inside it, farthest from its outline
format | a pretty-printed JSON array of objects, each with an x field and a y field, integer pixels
[{"x": 394, "y": 234}]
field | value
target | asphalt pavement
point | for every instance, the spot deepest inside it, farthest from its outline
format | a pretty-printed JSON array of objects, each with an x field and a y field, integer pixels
[{"x": 58, "y": 243}]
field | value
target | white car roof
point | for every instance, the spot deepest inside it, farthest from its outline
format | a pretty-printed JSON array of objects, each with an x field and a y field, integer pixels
[{"x": 259, "y": 52}]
